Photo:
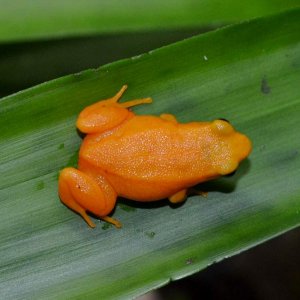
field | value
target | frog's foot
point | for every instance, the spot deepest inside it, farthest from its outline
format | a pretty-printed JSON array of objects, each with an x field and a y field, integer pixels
[
  {"x": 194, "y": 191},
  {"x": 168, "y": 117},
  {"x": 130, "y": 103},
  {"x": 178, "y": 197},
  {"x": 135, "y": 102},
  {"x": 119, "y": 94},
  {"x": 112, "y": 221},
  {"x": 82, "y": 193}
]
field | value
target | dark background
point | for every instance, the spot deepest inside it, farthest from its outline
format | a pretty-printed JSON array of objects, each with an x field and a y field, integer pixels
[{"x": 268, "y": 271}]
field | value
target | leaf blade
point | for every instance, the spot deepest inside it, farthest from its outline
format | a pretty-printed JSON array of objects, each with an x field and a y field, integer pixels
[{"x": 31, "y": 20}]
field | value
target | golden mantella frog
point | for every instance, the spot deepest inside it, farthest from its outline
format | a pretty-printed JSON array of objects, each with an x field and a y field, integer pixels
[{"x": 144, "y": 158}]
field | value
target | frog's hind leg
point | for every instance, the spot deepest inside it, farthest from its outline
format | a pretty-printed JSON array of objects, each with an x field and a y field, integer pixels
[
  {"x": 130, "y": 103},
  {"x": 106, "y": 114},
  {"x": 83, "y": 193},
  {"x": 67, "y": 198}
]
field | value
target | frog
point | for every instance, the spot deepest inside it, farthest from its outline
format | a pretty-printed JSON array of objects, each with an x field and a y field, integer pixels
[{"x": 144, "y": 157}]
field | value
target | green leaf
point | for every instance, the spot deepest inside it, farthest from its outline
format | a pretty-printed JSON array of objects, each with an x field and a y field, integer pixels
[
  {"x": 248, "y": 73},
  {"x": 22, "y": 20}
]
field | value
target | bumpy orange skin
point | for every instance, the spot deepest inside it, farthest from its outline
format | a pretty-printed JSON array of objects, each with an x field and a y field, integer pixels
[{"x": 144, "y": 158}]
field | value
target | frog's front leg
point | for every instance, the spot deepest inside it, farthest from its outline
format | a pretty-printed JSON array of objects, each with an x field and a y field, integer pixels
[
  {"x": 83, "y": 193},
  {"x": 107, "y": 114},
  {"x": 182, "y": 195},
  {"x": 178, "y": 197},
  {"x": 169, "y": 117}
]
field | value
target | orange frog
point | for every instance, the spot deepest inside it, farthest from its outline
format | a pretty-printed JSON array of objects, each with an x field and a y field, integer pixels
[{"x": 144, "y": 158}]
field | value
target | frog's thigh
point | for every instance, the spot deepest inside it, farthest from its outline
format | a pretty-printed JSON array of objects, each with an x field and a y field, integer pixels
[
  {"x": 106, "y": 114},
  {"x": 82, "y": 193},
  {"x": 168, "y": 117},
  {"x": 66, "y": 196},
  {"x": 178, "y": 197}
]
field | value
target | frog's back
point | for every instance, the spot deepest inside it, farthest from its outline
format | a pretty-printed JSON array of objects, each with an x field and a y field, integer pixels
[{"x": 148, "y": 152}]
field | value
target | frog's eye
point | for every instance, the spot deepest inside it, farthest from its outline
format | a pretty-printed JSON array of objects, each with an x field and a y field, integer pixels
[
  {"x": 222, "y": 126},
  {"x": 222, "y": 119}
]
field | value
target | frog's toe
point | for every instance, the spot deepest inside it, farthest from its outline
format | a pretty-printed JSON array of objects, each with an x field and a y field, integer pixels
[
  {"x": 112, "y": 221},
  {"x": 194, "y": 191}
]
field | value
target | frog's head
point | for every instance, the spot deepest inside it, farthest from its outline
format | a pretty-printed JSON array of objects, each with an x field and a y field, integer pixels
[{"x": 229, "y": 147}]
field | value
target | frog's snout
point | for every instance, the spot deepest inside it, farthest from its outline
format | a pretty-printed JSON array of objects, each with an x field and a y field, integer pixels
[{"x": 243, "y": 146}]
